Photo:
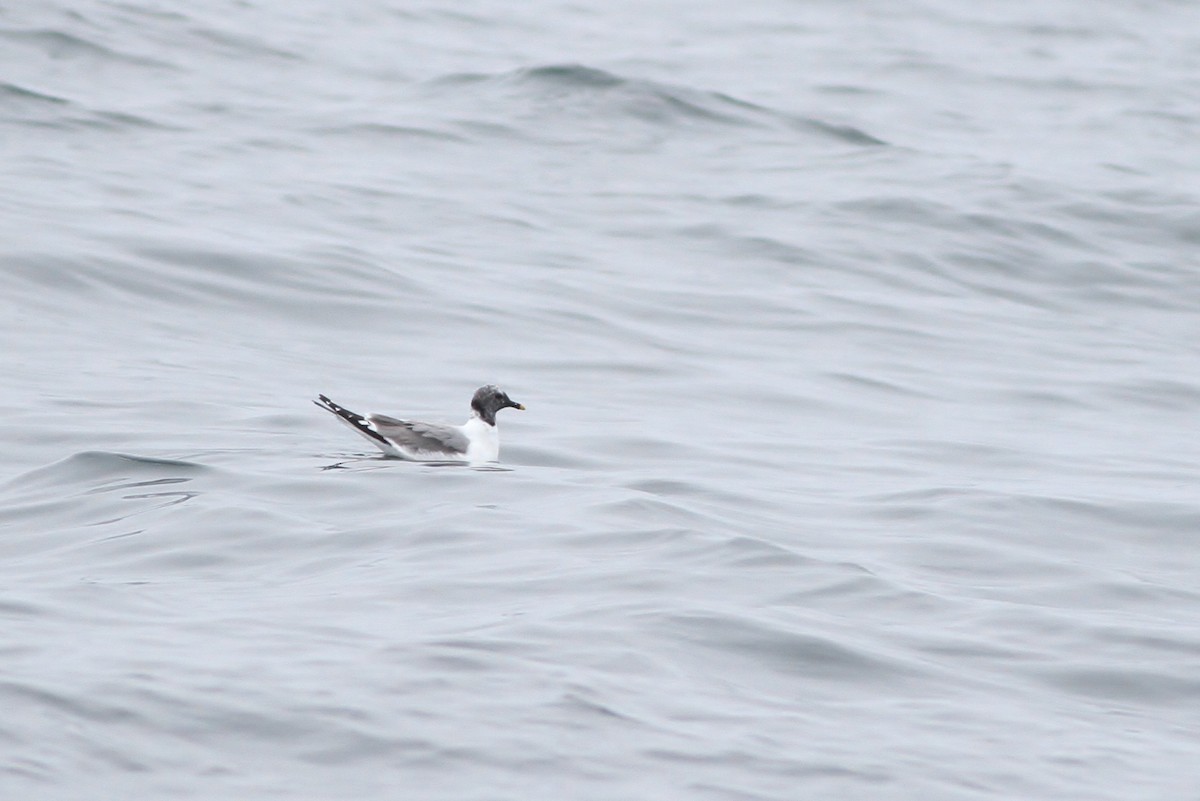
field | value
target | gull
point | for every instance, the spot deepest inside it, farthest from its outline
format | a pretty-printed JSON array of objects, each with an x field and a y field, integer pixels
[{"x": 475, "y": 441}]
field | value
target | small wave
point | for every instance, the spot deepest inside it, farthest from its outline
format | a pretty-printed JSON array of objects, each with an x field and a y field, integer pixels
[
  {"x": 570, "y": 75},
  {"x": 92, "y": 466},
  {"x": 21, "y": 106},
  {"x": 53, "y": 504},
  {"x": 60, "y": 45},
  {"x": 239, "y": 45},
  {"x": 1129, "y": 684},
  {"x": 91, "y": 120},
  {"x": 35, "y": 109},
  {"x": 565, "y": 93},
  {"x": 385, "y": 131},
  {"x": 771, "y": 645},
  {"x": 845, "y": 133},
  {"x": 75, "y": 705},
  {"x": 13, "y": 95},
  {"x": 340, "y": 280},
  {"x": 116, "y": 121}
]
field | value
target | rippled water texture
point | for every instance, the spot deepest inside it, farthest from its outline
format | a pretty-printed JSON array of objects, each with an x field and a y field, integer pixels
[{"x": 860, "y": 346}]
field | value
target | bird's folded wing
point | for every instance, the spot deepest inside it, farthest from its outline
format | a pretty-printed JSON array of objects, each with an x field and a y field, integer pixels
[{"x": 416, "y": 436}]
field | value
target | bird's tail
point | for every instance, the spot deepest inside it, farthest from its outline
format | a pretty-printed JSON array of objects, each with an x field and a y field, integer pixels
[{"x": 355, "y": 421}]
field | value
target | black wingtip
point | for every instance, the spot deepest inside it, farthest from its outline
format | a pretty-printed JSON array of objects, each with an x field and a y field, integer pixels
[
  {"x": 325, "y": 403},
  {"x": 360, "y": 423}
]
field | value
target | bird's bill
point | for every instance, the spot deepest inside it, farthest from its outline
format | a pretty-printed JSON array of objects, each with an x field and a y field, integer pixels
[{"x": 519, "y": 406}]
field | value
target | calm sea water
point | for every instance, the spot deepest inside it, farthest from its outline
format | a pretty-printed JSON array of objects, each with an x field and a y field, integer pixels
[{"x": 860, "y": 346}]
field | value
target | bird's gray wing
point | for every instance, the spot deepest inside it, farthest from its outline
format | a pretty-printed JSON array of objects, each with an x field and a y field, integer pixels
[{"x": 417, "y": 436}]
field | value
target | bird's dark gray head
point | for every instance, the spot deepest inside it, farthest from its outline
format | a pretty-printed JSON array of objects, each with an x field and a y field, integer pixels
[{"x": 490, "y": 399}]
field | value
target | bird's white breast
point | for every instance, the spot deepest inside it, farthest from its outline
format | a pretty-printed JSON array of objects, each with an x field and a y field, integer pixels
[{"x": 484, "y": 441}]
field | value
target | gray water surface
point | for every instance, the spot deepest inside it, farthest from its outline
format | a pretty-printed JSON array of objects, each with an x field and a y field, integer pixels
[{"x": 859, "y": 344}]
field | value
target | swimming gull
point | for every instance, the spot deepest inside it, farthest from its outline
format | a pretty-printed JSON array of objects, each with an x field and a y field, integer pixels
[{"x": 475, "y": 441}]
